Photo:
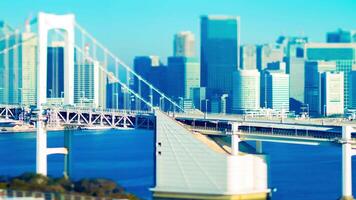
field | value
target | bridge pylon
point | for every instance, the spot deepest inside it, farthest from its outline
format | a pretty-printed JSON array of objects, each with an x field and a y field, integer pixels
[{"x": 347, "y": 153}]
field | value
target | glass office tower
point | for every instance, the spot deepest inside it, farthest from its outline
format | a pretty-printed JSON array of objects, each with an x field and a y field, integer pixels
[{"x": 220, "y": 41}]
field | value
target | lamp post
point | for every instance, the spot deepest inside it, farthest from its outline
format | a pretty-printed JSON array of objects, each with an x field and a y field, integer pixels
[
  {"x": 308, "y": 110},
  {"x": 151, "y": 101},
  {"x": 325, "y": 110},
  {"x": 62, "y": 97},
  {"x": 161, "y": 105},
  {"x": 181, "y": 102},
  {"x": 206, "y": 108}
]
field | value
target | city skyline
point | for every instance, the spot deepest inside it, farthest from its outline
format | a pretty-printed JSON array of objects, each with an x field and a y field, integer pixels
[{"x": 153, "y": 17}]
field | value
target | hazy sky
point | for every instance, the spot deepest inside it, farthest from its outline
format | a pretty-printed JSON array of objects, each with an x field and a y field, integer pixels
[{"x": 146, "y": 27}]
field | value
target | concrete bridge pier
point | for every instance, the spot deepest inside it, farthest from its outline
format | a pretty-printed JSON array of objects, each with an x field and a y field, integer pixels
[
  {"x": 235, "y": 139},
  {"x": 347, "y": 154},
  {"x": 259, "y": 147},
  {"x": 41, "y": 149},
  {"x": 68, "y": 156}
]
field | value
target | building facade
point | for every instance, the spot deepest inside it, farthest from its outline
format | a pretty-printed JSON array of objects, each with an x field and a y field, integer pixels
[
  {"x": 332, "y": 93},
  {"x": 246, "y": 91},
  {"x": 29, "y": 69},
  {"x": 313, "y": 84},
  {"x": 276, "y": 90},
  {"x": 248, "y": 57},
  {"x": 184, "y": 44},
  {"x": 268, "y": 53}
]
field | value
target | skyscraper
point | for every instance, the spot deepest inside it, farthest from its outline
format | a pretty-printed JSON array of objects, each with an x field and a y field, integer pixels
[
  {"x": 332, "y": 97},
  {"x": 341, "y": 36},
  {"x": 10, "y": 65},
  {"x": 29, "y": 69},
  {"x": 184, "y": 44},
  {"x": 294, "y": 57},
  {"x": 313, "y": 84},
  {"x": 220, "y": 41},
  {"x": 276, "y": 90},
  {"x": 246, "y": 91},
  {"x": 86, "y": 84},
  {"x": 248, "y": 59}
]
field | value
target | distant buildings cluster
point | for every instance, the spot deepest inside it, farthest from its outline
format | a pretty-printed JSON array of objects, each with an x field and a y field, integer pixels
[{"x": 290, "y": 75}]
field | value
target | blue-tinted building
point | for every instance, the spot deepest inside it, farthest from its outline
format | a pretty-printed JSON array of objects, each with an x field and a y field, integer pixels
[
  {"x": 220, "y": 41},
  {"x": 152, "y": 70},
  {"x": 312, "y": 95},
  {"x": 55, "y": 71},
  {"x": 341, "y": 36},
  {"x": 183, "y": 74}
]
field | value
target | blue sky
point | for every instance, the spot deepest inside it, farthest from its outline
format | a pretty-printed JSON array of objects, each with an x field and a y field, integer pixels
[{"x": 146, "y": 27}]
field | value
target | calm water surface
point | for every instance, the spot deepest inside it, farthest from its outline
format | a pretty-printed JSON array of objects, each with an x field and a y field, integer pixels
[{"x": 126, "y": 156}]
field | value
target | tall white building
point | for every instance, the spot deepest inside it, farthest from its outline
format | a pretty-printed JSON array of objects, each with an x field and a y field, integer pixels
[
  {"x": 276, "y": 90},
  {"x": 184, "y": 44},
  {"x": 332, "y": 93},
  {"x": 245, "y": 91},
  {"x": 29, "y": 69},
  {"x": 86, "y": 84}
]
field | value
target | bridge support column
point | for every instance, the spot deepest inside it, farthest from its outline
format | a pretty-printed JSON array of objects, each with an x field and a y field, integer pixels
[
  {"x": 41, "y": 149},
  {"x": 346, "y": 164},
  {"x": 235, "y": 139},
  {"x": 259, "y": 147},
  {"x": 67, "y": 157}
]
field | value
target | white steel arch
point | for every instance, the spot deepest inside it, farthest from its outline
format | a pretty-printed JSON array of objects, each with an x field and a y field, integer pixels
[{"x": 48, "y": 22}]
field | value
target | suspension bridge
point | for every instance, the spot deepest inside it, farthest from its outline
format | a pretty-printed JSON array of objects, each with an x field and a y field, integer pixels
[{"x": 193, "y": 158}]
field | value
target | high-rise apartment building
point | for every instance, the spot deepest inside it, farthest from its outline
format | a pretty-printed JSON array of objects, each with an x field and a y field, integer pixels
[{"x": 184, "y": 44}]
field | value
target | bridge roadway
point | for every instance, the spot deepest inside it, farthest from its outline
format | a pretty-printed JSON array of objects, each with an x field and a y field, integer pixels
[{"x": 309, "y": 132}]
